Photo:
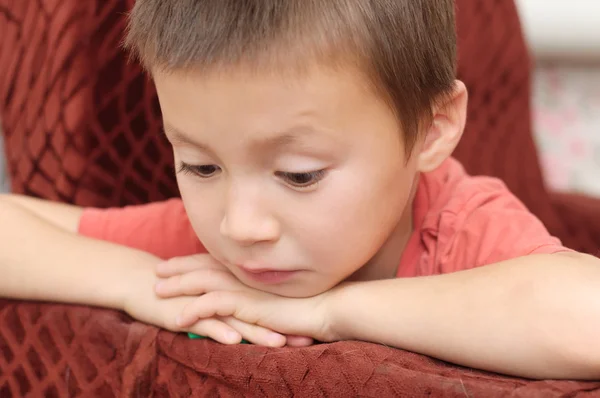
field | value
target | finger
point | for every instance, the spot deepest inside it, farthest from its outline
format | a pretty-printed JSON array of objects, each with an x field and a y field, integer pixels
[
  {"x": 270, "y": 312},
  {"x": 212, "y": 304},
  {"x": 299, "y": 341},
  {"x": 216, "y": 330},
  {"x": 182, "y": 265},
  {"x": 256, "y": 334},
  {"x": 195, "y": 283}
]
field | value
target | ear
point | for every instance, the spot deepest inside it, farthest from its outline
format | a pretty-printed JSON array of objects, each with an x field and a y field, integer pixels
[{"x": 446, "y": 128}]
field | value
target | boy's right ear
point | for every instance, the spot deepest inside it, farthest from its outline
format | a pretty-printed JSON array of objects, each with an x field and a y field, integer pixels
[{"x": 445, "y": 131}]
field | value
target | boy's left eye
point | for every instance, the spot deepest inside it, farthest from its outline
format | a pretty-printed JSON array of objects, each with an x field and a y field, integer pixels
[{"x": 301, "y": 180}]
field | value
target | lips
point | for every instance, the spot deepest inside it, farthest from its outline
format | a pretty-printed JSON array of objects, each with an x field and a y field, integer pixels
[{"x": 268, "y": 275}]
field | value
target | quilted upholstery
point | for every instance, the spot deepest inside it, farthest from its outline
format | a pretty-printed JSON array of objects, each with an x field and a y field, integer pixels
[
  {"x": 59, "y": 351},
  {"x": 82, "y": 125}
]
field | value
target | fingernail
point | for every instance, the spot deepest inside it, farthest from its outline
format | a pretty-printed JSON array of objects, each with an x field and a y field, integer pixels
[
  {"x": 179, "y": 320},
  {"x": 159, "y": 285},
  {"x": 232, "y": 336},
  {"x": 275, "y": 339}
]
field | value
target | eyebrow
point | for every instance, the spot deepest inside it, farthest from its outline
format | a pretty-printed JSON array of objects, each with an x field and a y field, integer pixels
[
  {"x": 182, "y": 138},
  {"x": 286, "y": 139}
]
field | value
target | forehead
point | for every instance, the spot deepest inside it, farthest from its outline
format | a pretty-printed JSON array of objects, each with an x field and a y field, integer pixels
[
  {"x": 240, "y": 82},
  {"x": 218, "y": 103}
]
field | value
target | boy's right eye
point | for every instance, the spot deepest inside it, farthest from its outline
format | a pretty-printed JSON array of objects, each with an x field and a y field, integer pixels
[{"x": 202, "y": 171}]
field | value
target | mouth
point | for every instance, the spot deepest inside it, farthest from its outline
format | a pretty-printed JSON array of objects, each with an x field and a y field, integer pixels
[{"x": 268, "y": 276}]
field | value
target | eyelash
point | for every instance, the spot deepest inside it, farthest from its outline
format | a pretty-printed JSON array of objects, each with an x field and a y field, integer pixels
[
  {"x": 196, "y": 170},
  {"x": 314, "y": 177}
]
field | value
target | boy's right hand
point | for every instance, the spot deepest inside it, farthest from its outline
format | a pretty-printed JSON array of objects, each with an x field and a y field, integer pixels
[
  {"x": 143, "y": 304},
  {"x": 179, "y": 276}
]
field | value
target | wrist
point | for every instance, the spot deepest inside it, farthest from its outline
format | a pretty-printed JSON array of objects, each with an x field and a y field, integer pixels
[
  {"x": 368, "y": 311},
  {"x": 339, "y": 313},
  {"x": 123, "y": 292}
]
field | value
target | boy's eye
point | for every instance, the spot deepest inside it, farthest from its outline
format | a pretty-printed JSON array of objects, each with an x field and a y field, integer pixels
[
  {"x": 202, "y": 171},
  {"x": 301, "y": 180}
]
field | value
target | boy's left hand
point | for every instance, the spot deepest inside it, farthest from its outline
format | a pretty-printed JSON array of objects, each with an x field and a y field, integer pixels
[{"x": 229, "y": 297}]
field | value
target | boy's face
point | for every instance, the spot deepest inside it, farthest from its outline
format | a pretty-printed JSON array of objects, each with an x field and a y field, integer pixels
[{"x": 304, "y": 173}]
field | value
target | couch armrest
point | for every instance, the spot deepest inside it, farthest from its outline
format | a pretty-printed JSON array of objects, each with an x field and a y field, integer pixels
[{"x": 581, "y": 219}]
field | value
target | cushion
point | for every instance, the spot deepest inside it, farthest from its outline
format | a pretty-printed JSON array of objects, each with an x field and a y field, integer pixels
[{"x": 60, "y": 351}]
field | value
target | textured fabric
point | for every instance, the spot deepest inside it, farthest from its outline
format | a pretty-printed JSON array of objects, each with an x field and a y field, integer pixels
[
  {"x": 581, "y": 217},
  {"x": 61, "y": 351},
  {"x": 82, "y": 125},
  {"x": 460, "y": 222},
  {"x": 494, "y": 65}
]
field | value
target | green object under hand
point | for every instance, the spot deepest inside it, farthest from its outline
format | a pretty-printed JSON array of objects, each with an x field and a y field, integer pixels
[{"x": 197, "y": 337}]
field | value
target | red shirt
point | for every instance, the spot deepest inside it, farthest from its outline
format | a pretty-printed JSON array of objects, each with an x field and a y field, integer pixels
[{"x": 460, "y": 222}]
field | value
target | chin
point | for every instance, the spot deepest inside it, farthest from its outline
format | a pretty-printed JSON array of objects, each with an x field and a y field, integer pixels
[{"x": 291, "y": 290}]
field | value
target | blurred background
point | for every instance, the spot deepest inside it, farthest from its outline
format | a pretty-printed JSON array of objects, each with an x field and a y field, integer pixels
[{"x": 564, "y": 40}]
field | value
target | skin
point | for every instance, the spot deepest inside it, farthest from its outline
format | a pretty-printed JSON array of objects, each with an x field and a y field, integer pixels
[{"x": 351, "y": 216}]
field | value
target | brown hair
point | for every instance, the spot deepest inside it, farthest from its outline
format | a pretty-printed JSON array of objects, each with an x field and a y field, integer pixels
[{"x": 407, "y": 48}]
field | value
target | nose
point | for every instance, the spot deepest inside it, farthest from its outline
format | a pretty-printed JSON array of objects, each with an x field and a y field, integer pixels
[{"x": 247, "y": 222}]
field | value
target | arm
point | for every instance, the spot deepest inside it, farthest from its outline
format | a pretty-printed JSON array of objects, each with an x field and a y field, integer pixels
[
  {"x": 60, "y": 215},
  {"x": 42, "y": 257},
  {"x": 536, "y": 316}
]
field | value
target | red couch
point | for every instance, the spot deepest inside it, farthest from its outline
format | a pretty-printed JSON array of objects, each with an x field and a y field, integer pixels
[{"x": 82, "y": 125}]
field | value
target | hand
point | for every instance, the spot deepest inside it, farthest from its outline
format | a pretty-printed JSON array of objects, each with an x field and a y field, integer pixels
[
  {"x": 190, "y": 276},
  {"x": 289, "y": 316},
  {"x": 221, "y": 294},
  {"x": 143, "y": 304}
]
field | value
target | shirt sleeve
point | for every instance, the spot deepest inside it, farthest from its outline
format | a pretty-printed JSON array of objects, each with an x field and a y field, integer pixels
[
  {"x": 487, "y": 224},
  {"x": 162, "y": 229}
]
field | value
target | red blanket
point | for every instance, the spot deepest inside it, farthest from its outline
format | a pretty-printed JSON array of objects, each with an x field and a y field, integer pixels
[{"x": 60, "y": 351}]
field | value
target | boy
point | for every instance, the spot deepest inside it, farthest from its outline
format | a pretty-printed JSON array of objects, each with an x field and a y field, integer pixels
[{"x": 313, "y": 140}]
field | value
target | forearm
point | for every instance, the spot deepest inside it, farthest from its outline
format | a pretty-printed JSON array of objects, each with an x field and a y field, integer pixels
[
  {"x": 60, "y": 215},
  {"x": 40, "y": 261},
  {"x": 537, "y": 316}
]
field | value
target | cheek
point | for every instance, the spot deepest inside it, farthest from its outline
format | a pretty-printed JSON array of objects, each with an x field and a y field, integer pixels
[
  {"x": 203, "y": 211},
  {"x": 350, "y": 221}
]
